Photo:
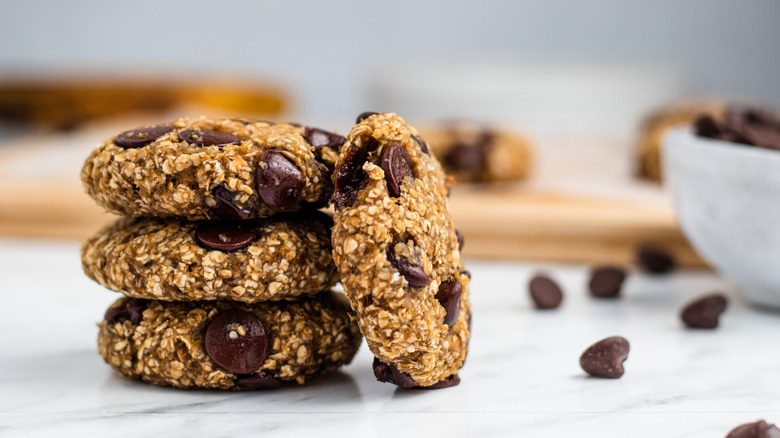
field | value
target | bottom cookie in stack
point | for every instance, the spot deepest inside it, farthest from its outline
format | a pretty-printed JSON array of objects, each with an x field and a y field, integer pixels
[{"x": 227, "y": 344}]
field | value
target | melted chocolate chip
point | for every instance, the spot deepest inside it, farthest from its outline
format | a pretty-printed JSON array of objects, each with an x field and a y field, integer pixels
[
  {"x": 448, "y": 296},
  {"x": 132, "y": 310},
  {"x": 758, "y": 429},
  {"x": 206, "y": 137},
  {"x": 225, "y": 236},
  {"x": 703, "y": 312},
  {"x": 605, "y": 358},
  {"x": 655, "y": 260},
  {"x": 349, "y": 175},
  {"x": 606, "y": 281},
  {"x": 364, "y": 115},
  {"x": 459, "y": 235},
  {"x": 258, "y": 381},
  {"x": 279, "y": 181},
  {"x": 422, "y": 143},
  {"x": 320, "y": 138},
  {"x": 226, "y": 209},
  {"x": 236, "y": 341},
  {"x": 390, "y": 374},
  {"x": 413, "y": 273},
  {"x": 545, "y": 292},
  {"x": 397, "y": 165},
  {"x": 141, "y": 136},
  {"x": 452, "y": 380}
]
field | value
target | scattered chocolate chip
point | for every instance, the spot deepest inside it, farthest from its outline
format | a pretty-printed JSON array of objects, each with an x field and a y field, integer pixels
[
  {"x": 545, "y": 292},
  {"x": 397, "y": 165},
  {"x": 655, "y": 260},
  {"x": 258, "y": 381},
  {"x": 413, "y": 273},
  {"x": 142, "y": 136},
  {"x": 465, "y": 158},
  {"x": 460, "y": 239},
  {"x": 236, "y": 341},
  {"x": 452, "y": 380},
  {"x": 364, "y": 115},
  {"x": 279, "y": 181},
  {"x": 448, "y": 296},
  {"x": 349, "y": 174},
  {"x": 320, "y": 138},
  {"x": 207, "y": 137},
  {"x": 750, "y": 126},
  {"x": 606, "y": 281},
  {"x": 605, "y": 358},
  {"x": 703, "y": 312},
  {"x": 132, "y": 310},
  {"x": 422, "y": 143},
  {"x": 226, "y": 208},
  {"x": 389, "y": 374},
  {"x": 758, "y": 429},
  {"x": 225, "y": 236}
]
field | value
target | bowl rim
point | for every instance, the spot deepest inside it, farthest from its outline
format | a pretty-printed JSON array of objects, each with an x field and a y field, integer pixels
[{"x": 722, "y": 145}]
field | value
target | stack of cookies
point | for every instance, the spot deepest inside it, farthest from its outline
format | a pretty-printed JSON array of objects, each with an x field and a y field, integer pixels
[{"x": 226, "y": 262}]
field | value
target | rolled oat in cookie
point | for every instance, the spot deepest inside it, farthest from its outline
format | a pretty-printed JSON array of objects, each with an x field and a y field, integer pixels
[
  {"x": 212, "y": 169},
  {"x": 396, "y": 248},
  {"x": 270, "y": 259},
  {"x": 228, "y": 345}
]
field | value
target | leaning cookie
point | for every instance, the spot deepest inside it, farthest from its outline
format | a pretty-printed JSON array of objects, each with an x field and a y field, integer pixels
[
  {"x": 398, "y": 254},
  {"x": 227, "y": 345},
  {"x": 276, "y": 258},
  {"x": 212, "y": 169},
  {"x": 475, "y": 153}
]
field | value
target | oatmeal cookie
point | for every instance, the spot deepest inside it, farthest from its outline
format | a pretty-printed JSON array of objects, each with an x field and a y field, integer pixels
[
  {"x": 212, "y": 169},
  {"x": 228, "y": 345},
  {"x": 398, "y": 254},
  {"x": 256, "y": 260}
]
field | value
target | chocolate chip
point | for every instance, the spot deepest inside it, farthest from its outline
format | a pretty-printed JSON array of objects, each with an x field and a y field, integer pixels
[
  {"x": 703, "y": 312},
  {"x": 422, "y": 143},
  {"x": 545, "y": 292},
  {"x": 758, "y": 429},
  {"x": 448, "y": 296},
  {"x": 226, "y": 208},
  {"x": 141, "y": 136},
  {"x": 413, "y": 273},
  {"x": 225, "y": 236},
  {"x": 349, "y": 175},
  {"x": 258, "y": 381},
  {"x": 459, "y": 235},
  {"x": 605, "y": 358},
  {"x": 606, "y": 281},
  {"x": 207, "y": 137},
  {"x": 236, "y": 341},
  {"x": 390, "y": 374},
  {"x": 132, "y": 310},
  {"x": 364, "y": 115},
  {"x": 452, "y": 380},
  {"x": 279, "y": 181},
  {"x": 706, "y": 126},
  {"x": 397, "y": 165},
  {"x": 320, "y": 138},
  {"x": 465, "y": 157},
  {"x": 655, "y": 260}
]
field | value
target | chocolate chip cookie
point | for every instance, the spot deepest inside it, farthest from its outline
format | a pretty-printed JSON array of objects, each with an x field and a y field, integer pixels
[
  {"x": 256, "y": 260},
  {"x": 398, "y": 254},
  {"x": 228, "y": 345},
  {"x": 474, "y": 153},
  {"x": 212, "y": 169}
]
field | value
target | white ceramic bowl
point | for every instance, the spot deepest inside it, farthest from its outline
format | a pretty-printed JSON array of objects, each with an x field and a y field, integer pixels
[{"x": 727, "y": 198}]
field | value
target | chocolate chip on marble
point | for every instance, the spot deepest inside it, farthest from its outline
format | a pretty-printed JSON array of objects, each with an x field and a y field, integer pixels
[
  {"x": 258, "y": 381},
  {"x": 465, "y": 157},
  {"x": 605, "y": 358},
  {"x": 448, "y": 296},
  {"x": 225, "y": 236},
  {"x": 226, "y": 208},
  {"x": 452, "y": 380},
  {"x": 279, "y": 181},
  {"x": 236, "y": 341},
  {"x": 703, "y": 312},
  {"x": 606, "y": 281},
  {"x": 364, "y": 115},
  {"x": 389, "y": 374},
  {"x": 545, "y": 292},
  {"x": 397, "y": 165},
  {"x": 320, "y": 138},
  {"x": 207, "y": 137},
  {"x": 655, "y": 260},
  {"x": 459, "y": 235},
  {"x": 422, "y": 143},
  {"x": 349, "y": 174},
  {"x": 137, "y": 138},
  {"x": 413, "y": 273},
  {"x": 132, "y": 311},
  {"x": 758, "y": 429}
]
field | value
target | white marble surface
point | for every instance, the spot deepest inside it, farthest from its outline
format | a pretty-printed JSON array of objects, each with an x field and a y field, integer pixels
[{"x": 522, "y": 377}]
